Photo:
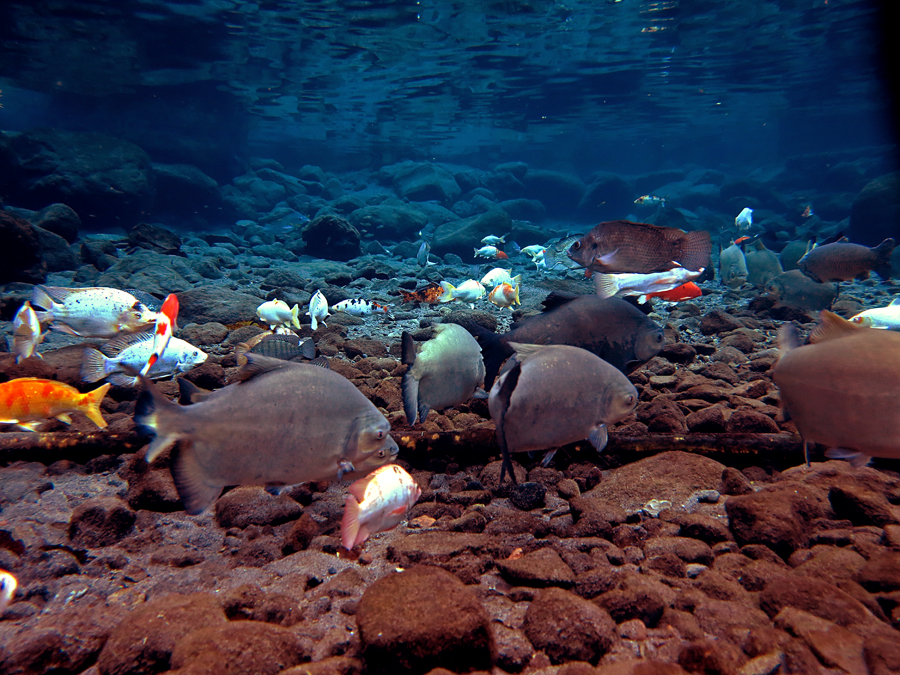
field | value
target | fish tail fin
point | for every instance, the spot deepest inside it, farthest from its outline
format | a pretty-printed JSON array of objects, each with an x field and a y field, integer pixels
[
  {"x": 91, "y": 402},
  {"x": 41, "y": 298},
  {"x": 517, "y": 301},
  {"x": 788, "y": 338},
  {"x": 447, "y": 294},
  {"x": 350, "y": 523},
  {"x": 294, "y": 314},
  {"x": 43, "y": 317},
  {"x": 883, "y": 252},
  {"x": 94, "y": 365},
  {"x": 606, "y": 285},
  {"x": 504, "y": 396},
  {"x": 696, "y": 250},
  {"x": 493, "y": 350},
  {"x": 155, "y": 415}
]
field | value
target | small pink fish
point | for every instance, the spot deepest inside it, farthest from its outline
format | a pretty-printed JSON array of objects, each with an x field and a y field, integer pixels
[
  {"x": 165, "y": 326},
  {"x": 377, "y": 503}
]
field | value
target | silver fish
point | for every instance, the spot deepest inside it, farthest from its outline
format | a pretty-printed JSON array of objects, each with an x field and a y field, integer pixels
[
  {"x": 91, "y": 312},
  {"x": 447, "y": 371},
  {"x": 283, "y": 423},
  {"x": 422, "y": 256},
  {"x": 733, "y": 266},
  {"x": 130, "y": 352},
  {"x": 763, "y": 265}
]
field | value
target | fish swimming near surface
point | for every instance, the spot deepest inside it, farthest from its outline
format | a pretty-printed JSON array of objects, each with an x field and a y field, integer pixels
[
  {"x": 377, "y": 503},
  {"x": 687, "y": 291},
  {"x": 126, "y": 353},
  {"x": 555, "y": 395},
  {"x": 283, "y": 423},
  {"x": 762, "y": 264},
  {"x": 276, "y": 313},
  {"x": 613, "y": 329},
  {"x": 625, "y": 284},
  {"x": 361, "y": 307},
  {"x": 27, "y": 333},
  {"x": 430, "y": 294},
  {"x": 883, "y": 318},
  {"x": 625, "y": 246},
  {"x": 490, "y": 252},
  {"x": 796, "y": 290},
  {"x": 8, "y": 586},
  {"x": 505, "y": 295},
  {"x": 91, "y": 312},
  {"x": 468, "y": 291},
  {"x": 744, "y": 219},
  {"x": 733, "y": 266},
  {"x": 28, "y": 401},
  {"x": 318, "y": 310},
  {"x": 445, "y": 371},
  {"x": 843, "y": 389},
  {"x": 843, "y": 261},
  {"x": 287, "y": 347}
]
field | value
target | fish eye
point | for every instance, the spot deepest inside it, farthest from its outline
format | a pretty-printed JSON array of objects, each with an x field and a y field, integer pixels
[
  {"x": 629, "y": 399},
  {"x": 575, "y": 246},
  {"x": 381, "y": 453}
]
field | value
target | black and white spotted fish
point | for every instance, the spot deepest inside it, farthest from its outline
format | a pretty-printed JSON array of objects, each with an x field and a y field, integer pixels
[{"x": 361, "y": 307}]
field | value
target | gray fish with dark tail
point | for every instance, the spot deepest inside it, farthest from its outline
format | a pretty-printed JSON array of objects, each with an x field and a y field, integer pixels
[
  {"x": 447, "y": 371},
  {"x": 762, "y": 264},
  {"x": 611, "y": 328},
  {"x": 283, "y": 423},
  {"x": 555, "y": 395},
  {"x": 795, "y": 290}
]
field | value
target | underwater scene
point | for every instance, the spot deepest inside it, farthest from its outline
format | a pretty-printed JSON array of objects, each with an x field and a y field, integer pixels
[{"x": 525, "y": 337}]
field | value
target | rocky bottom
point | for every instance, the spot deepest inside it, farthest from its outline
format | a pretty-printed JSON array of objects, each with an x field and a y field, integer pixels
[{"x": 674, "y": 563}]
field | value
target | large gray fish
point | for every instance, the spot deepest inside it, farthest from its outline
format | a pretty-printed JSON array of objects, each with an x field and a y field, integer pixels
[
  {"x": 732, "y": 266},
  {"x": 447, "y": 371},
  {"x": 843, "y": 389},
  {"x": 790, "y": 255},
  {"x": 554, "y": 395},
  {"x": 795, "y": 290},
  {"x": 611, "y": 328},
  {"x": 843, "y": 261},
  {"x": 762, "y": 264},
  {"x": 284, "y": 423}
]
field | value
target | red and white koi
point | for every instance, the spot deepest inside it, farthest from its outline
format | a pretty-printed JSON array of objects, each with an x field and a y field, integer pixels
[
  {"x": 505, "y": 295},
  {"x": 644, "y": 285},
  {"x": 26, "y": 333},
  {"x": 377, "y": 503},
  {"x": 361, "y": 307},
  {"x": 490, "y": 252},
  {"x": 165, "y": 326}
]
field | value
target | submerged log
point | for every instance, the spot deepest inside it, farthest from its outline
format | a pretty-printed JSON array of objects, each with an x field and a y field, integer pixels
[{"x": 74, "y": 446}]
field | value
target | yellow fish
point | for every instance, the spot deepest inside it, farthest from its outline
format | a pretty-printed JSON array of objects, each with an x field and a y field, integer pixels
[{"x": 27, "y": 401}]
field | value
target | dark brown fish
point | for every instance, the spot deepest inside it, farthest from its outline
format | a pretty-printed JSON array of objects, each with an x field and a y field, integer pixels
[
  {"x": 843, "y": 261},
  {"x": 793, "y": 289},
  {"x": 624, "y": 246},
  {"x": 284, "y": 346}
]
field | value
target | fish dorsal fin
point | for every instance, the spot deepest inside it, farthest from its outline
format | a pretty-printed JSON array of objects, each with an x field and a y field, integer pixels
[
  {"x": 525, "y": 351},
  {"x": 832, "y": 327},
  {"x": 259, "y": 365},
  {"x": 407, "y": 349},
  {"x": 557, "y": 299},
  {"x": 122, "y": 342},
  {"x": 895, "y": 301}
]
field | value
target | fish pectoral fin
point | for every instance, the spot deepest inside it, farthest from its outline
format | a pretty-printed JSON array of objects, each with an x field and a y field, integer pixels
[
  {"x": 424, "y": 409},
  {"x": 480, "y": 393},
  {"x": 191, "y": 481},
  {"x": 30, "y": 426},
  {"x": 856, "y": 458},
  {"x": 64, "y": 418},
  {"x": 606, "y": 258},
  {"x": 599, "y": 437},
  {"x": 548, "y": 457},
  {"x": 344, "y": 467}
]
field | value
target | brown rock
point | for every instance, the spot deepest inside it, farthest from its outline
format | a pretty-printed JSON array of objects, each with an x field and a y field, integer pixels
[
  {"x": 150, "y": 487},
  {"x": 729, "y": 619},
  {"x": 717, "y": 321},
  {"x": 238, "y": 648},
  {"x": 689, "y": 550},
  {"x": 251, "y": 505},
  {"x": 250, "y": 603},
  {"x": 142, "y": 644},
  {"x": 422, "y": 618},
  {"x": 835, "y": 646},
  {"x": 543, "y": 567},
  {"x": 334, "y": 665},
  {"x": 661, "y": 416},
  {"x": 678, "y": 352},
  {"x": 816, "y": 597},
  {"x": 881, "y": 572},
  {"x": 709, "y": 420},
  {"x": 751, "y": 422},
  {"x": 567, "y": 627},
  {"x": 100, "y": 521},
  {"x": 711, "y": 657},
  {"x": 704, "y": 528},
  {"x": 301, "y": 533},
  {"x": 882, "y": 653},
  {"x": 832, "y": 563},
  {"x": 440, "y": 547},
  {"x": 636, "y": 598},
  {"x": 734, "y": 482},
  {"x": 861, "y": 506}
]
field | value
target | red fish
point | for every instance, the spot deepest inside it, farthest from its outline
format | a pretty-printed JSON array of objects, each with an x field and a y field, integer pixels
[
  {"x": 683, "y": 292},
  {"x": 741, "y": 240},
  {"x": 27, "y": 401},
  {"x": 165, "y": 326},
  {"x": 501, "y": 256},
  {"x": 428, "y": 294}
]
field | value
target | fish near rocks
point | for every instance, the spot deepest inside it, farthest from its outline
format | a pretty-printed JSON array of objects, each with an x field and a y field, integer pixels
[
  {"x": 762, "y": 264},
  {"x": 555, "y": 395},
  {"x": 468, "y": 291},
  {"x": 883, "y": 318},
  {"x": 318, "y": 310},
  {"x": 625, "y": 246},
  {"x": 283, "y": 423},
  {"x": 796, "y": 290},
  {"x": 277, "y": 313},
  {"x": 361, "y": 307},
  {"x": 733, "y": 266},
  {"x": 843, "y": 389},
  {"x": 91, "y": 312},
  {"x": 620, "y": 285},
  {"x": 27, "y": 333},
  {"x": 284, "y": 346},
  {"x": 7, "y": 589},
  {"x": 28, "y": 401},
  {"x": 843, "y": 261},
  {"x": 377, "y": 503},
  {"x": 430, "y": 294},
  {"x": 505, "y": 295},
  {"x": 613, "y": 329},
  {"x": 127, "y": 353},
  {"x": 446, "y": 371}
]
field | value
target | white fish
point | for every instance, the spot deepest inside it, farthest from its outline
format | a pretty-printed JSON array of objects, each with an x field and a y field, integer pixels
[
  {"x": 8, "y": 588},
  {"x": 505, "y": 295},
  {"x": 91, "y": 312},
  {"x": 377, "y": 503},
  {"x": 489, "y": 252},
  {"x": 26, "y": 333},
  {"x": 534, "y": 250},
  {"x": 468, "y": 291},
  {"x": 277, "y": 313},
  {"x": 885, "y": 318},
  {"x": 133, "y": 351},
  {"x": 492, "y": 240},
  {"x": 744, "y": 219},
  {"x": 360, "y": 307},
  {"x": 627, "y": 283},
  {"x": 500, "y": 275},
  {"x": 445, "y": 371},
  {"x": 318, "y": 310}
]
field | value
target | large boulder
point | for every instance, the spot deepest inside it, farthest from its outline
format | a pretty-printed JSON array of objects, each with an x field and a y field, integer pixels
[
  {"x": 20, "y": 251},
  {"x": 607, "y": 197},
  {"x": 559, "y": 192},
  {"x": 426, "y": 182},
  {"x": 390, "y": 220},
  {"x": 875, "y": 213},
  {"x": 331, "y": 237},
  {"x": 185, "y": 191}
]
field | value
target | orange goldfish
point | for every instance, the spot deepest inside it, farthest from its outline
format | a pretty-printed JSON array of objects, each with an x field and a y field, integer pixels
[
  {"x": 27, "y": 401},
  {"x": 429, "y": 294},
  {"x": 683, "y": 292}
]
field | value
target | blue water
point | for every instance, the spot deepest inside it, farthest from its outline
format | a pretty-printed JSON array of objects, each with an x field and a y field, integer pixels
[{"x": 585, "y": 85}]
